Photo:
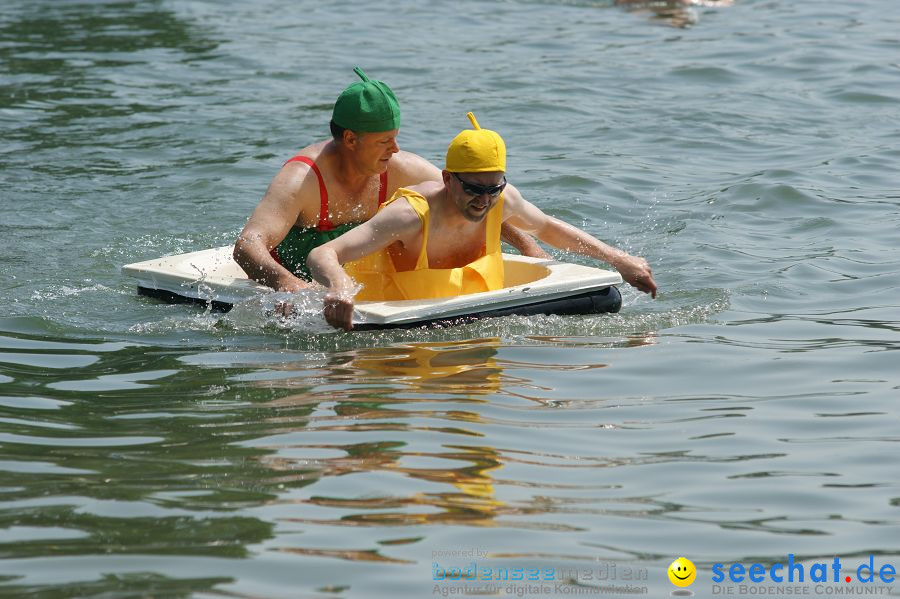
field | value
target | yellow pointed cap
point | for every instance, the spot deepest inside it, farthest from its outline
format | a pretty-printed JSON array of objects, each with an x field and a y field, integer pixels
[{"x": 476, "y": 151}]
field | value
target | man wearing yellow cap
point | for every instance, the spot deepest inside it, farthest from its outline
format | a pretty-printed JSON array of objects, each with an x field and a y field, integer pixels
[
  {"x": 443, "y": 239},
  {"x": 331, "y": 186}
]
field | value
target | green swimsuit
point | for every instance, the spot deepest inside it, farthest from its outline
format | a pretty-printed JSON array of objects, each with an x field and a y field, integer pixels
[{"x": 300, "y": 241}]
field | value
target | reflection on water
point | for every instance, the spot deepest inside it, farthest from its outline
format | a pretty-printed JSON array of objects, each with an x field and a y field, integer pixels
[
  {"x": 442, "y": 420},
  {"x": 471, "y": 502},
  {"x": 378, "y": 455},
  {"x": 677, "y": 13},
  {"x": 404, "y": 388},
  {"x": 441, "y": 410},
  {"x": 451, "y": 367},
  {"x": 152, "y": 450}
]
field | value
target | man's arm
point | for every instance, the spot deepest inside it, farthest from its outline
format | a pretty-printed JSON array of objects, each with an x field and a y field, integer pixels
[
  {"x": 522, "y": 241},
  {"x": 518, "y": 238},
  {"x": 396, "y": 222},
  {"x": 267, "y": 227},
  {"x": 557, "y": 233}
]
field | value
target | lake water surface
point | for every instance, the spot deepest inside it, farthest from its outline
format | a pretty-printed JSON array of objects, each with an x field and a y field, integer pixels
[{"x": 748, "y": 414}]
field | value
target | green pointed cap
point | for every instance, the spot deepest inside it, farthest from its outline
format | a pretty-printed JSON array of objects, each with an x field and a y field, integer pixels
[{"x": 368, "y": 106}]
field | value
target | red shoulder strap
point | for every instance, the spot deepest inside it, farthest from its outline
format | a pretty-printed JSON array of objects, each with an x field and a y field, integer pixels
[
  {"x": 382, "y": 188},
  {"x": 324, "y": 222}
]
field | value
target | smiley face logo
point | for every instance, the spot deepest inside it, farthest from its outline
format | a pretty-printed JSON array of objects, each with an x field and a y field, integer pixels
[{"x": 682, "y": 572}]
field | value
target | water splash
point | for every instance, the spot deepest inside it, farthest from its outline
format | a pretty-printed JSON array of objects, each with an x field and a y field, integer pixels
[
  {"x": 60, "y": 291},
  {"x": 299, "y": 312}
]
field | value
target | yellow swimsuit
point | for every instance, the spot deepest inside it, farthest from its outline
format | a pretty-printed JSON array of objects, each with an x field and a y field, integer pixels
[{"x": 382, "y": 282}]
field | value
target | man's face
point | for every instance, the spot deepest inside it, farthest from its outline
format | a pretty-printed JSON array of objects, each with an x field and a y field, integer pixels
[
  {"x": 374, "y": 150},
  {"x": 476, "y": 193}
]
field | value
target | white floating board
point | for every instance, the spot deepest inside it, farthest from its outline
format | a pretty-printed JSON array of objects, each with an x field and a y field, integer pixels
[{"x": 533, "y": 286}]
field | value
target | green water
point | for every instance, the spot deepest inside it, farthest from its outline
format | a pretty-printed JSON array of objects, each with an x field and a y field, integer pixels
[{"x": 747, "y": 414}]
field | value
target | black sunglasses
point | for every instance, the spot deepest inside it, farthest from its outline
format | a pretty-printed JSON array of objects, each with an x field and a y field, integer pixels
[{"x": 473, "y": 189}]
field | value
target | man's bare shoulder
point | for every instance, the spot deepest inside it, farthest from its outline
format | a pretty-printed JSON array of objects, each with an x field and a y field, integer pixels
[
  {"x": 512, "y": 201},
  {"x": 399, "y": 217},
  {"x": 427, "y": 189},
  {"x": 407, "y": 159},
  {"x": 411, "y": 168},
  {"x": 316, "y": 152},
  {"x": 297, "y": 178},
  {"x": 313, "y": 150}
]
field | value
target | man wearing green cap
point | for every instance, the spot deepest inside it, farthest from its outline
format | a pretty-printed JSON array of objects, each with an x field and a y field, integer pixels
[
  {"x": 443, "y": 239},
  {"x": 334, "y": 185}
]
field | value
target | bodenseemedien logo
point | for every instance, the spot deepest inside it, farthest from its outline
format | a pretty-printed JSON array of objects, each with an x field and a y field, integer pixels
[{"x": 682, "y": 573}]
